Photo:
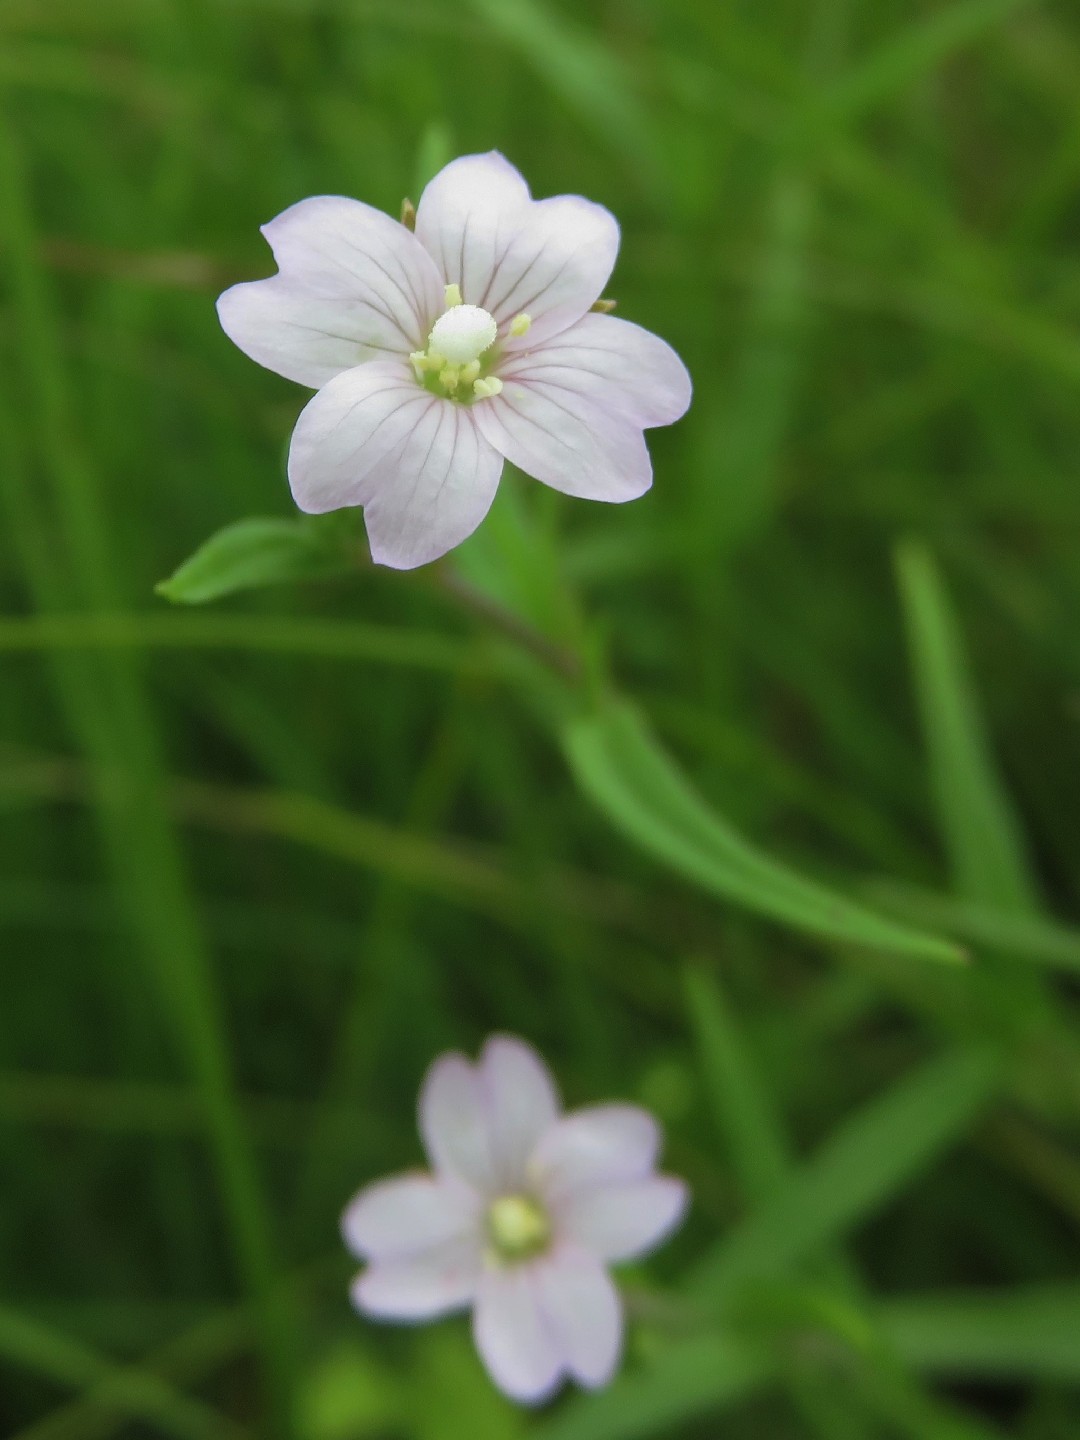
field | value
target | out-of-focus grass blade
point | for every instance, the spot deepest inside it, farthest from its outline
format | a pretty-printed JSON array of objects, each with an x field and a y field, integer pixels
[
  {"x": 754, "y": 1140},
  {"x": 584, "y": 72},
  {"x": 1018, "y": 1334},
  {"x": 914, "y": 52},
  {"x": 136, "y": 1393},
  {"x": 626, "y": 773},
  {"x": 701, "y": 1376},
  {"x": 862, "y": 1165},
  {"x": 984, "y": 840},
  {"x": 349, "y": 640}
]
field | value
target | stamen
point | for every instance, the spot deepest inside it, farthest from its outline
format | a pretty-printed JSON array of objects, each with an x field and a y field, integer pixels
[
  {"x": 462, "y": 333},
  {"x": 453, "y": 295},
  {"x": 484, "y": 389},
  {"x": 520, "y": 324},
  {"x": 408, "y": 214},
  {"x": 518, "y": 1227}
]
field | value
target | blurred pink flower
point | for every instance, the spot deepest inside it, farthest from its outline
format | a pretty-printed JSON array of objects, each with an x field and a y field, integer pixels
[
  {"x": 525, "y": 1208},
  {"x": 440, "y": 354}
]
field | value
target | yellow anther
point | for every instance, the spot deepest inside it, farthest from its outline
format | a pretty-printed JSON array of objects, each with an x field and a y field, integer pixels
[
  {"x": 469, "y": 372},
  {"x": 450, "y": 376},
  {"x": 453, "y": 295},
  {"x": 519, "y": 325},
  {"x": 484, "y": 389}
]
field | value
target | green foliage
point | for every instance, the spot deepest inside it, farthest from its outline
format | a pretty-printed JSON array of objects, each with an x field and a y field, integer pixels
[
  {"x": 252, "y": 553},
  {"x": 260, "y": 863},
  {"x": 622, "y": 770}
]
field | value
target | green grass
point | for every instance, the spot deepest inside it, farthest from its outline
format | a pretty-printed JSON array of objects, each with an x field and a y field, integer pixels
[{"x": 754, "y": 801}]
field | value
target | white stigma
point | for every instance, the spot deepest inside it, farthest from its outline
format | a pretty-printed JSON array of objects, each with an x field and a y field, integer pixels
[{"x": 462, "y": 334}]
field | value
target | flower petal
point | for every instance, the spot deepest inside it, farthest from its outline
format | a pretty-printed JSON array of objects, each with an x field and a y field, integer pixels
[
  {"x": 418, "y": 465},
  {"x": 454, "y": 1123},
  {"x": 583, "y": 1311},
  {"x": 566, "y": 440},
  {"x": 599, "y": 1145},
  {"x": 509, "y": 253},
  {"x": 434, "y": 492},
  {"x": 618, "y": 365},
  {"x": 512, "y": 1335},
  {"x": 522, "y": 1103},
  {"x": 348, "y": 428},
  {"x": 304, "y": 337},
  {"x": 342, "y": 249},
  {"x": 442, "y": 1279},
  {"x": 464, "y": 212},
  {"x": 398, "y": 1217},
  {"x": 622, "y": 1221}
]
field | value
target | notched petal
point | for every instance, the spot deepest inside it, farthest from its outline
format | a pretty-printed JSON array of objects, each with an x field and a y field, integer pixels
[{"x": 511, "y": 254}]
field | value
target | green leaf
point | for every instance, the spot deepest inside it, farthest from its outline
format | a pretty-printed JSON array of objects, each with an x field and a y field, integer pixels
[
  {"x": 257, "y": 552},
  {"x": 1018, "y": 1334},
  {"x": 626, "y": 773},
  {"x": 863, "y": 1164},
  {"x": 983, "y": 838},
  {"x": 705, "y": 1375},
  {"x": 1022, "y": 937},
  {"x": 348, "y": 1396}
]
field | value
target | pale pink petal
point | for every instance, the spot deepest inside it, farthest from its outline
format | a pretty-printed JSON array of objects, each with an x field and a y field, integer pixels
[
  {"x": 304, "y": 337},
  {"x": 513, "y": 1337},
  {"x": 598, "y": 1145},
  {"x": 348, "y": 428},
  {"x": 614, "y": 363},
  {"x": 436, "y": 1282},
  {"x": 396, "y": 1218},
  {"x": 454, "y": 1123},
  {"x": 466, "y": 213},
  {"x": 621, "y": 1221},
  {"x": 565, "y": 439},
  {"x": 547, "y": 258},
  {"x": 583, "y": 1312},
  {"x": 417, "y": 463},
  {"x": 522, "y": 1103},
  {"x": 431, "y": 493},
  {"x": 342, "y": 249}
]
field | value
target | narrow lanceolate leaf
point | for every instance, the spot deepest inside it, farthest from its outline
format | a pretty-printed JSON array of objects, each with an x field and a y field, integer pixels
[
  {"x": 1022, "y": 937},
  {"x": 626, "y": 773},
  {"x": 1007, "y": 1335},
  {"x": 984, "y": 841},
  {"x": 866, "y": 1162},
  {"x": 257, "y": 552}
]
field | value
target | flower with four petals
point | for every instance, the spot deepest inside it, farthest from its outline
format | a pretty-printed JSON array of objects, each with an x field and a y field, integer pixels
[
  {"x": 440, "y": 353},
  {"x": 525, "y": 1208}
]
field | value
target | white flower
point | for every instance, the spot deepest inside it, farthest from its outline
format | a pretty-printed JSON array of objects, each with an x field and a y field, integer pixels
[
  {"x": 439, "y": 354},
  {"x": 524, "y": 1209}
]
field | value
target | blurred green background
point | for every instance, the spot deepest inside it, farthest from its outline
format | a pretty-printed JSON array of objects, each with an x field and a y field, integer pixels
[{"x": 262, "y": 860}]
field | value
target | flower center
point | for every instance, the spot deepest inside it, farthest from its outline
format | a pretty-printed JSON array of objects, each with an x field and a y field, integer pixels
[
  {"x": 462, "y": 334},
  {"x": 460, "y": 353},
  {"x": 518, "y": 1228}
]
